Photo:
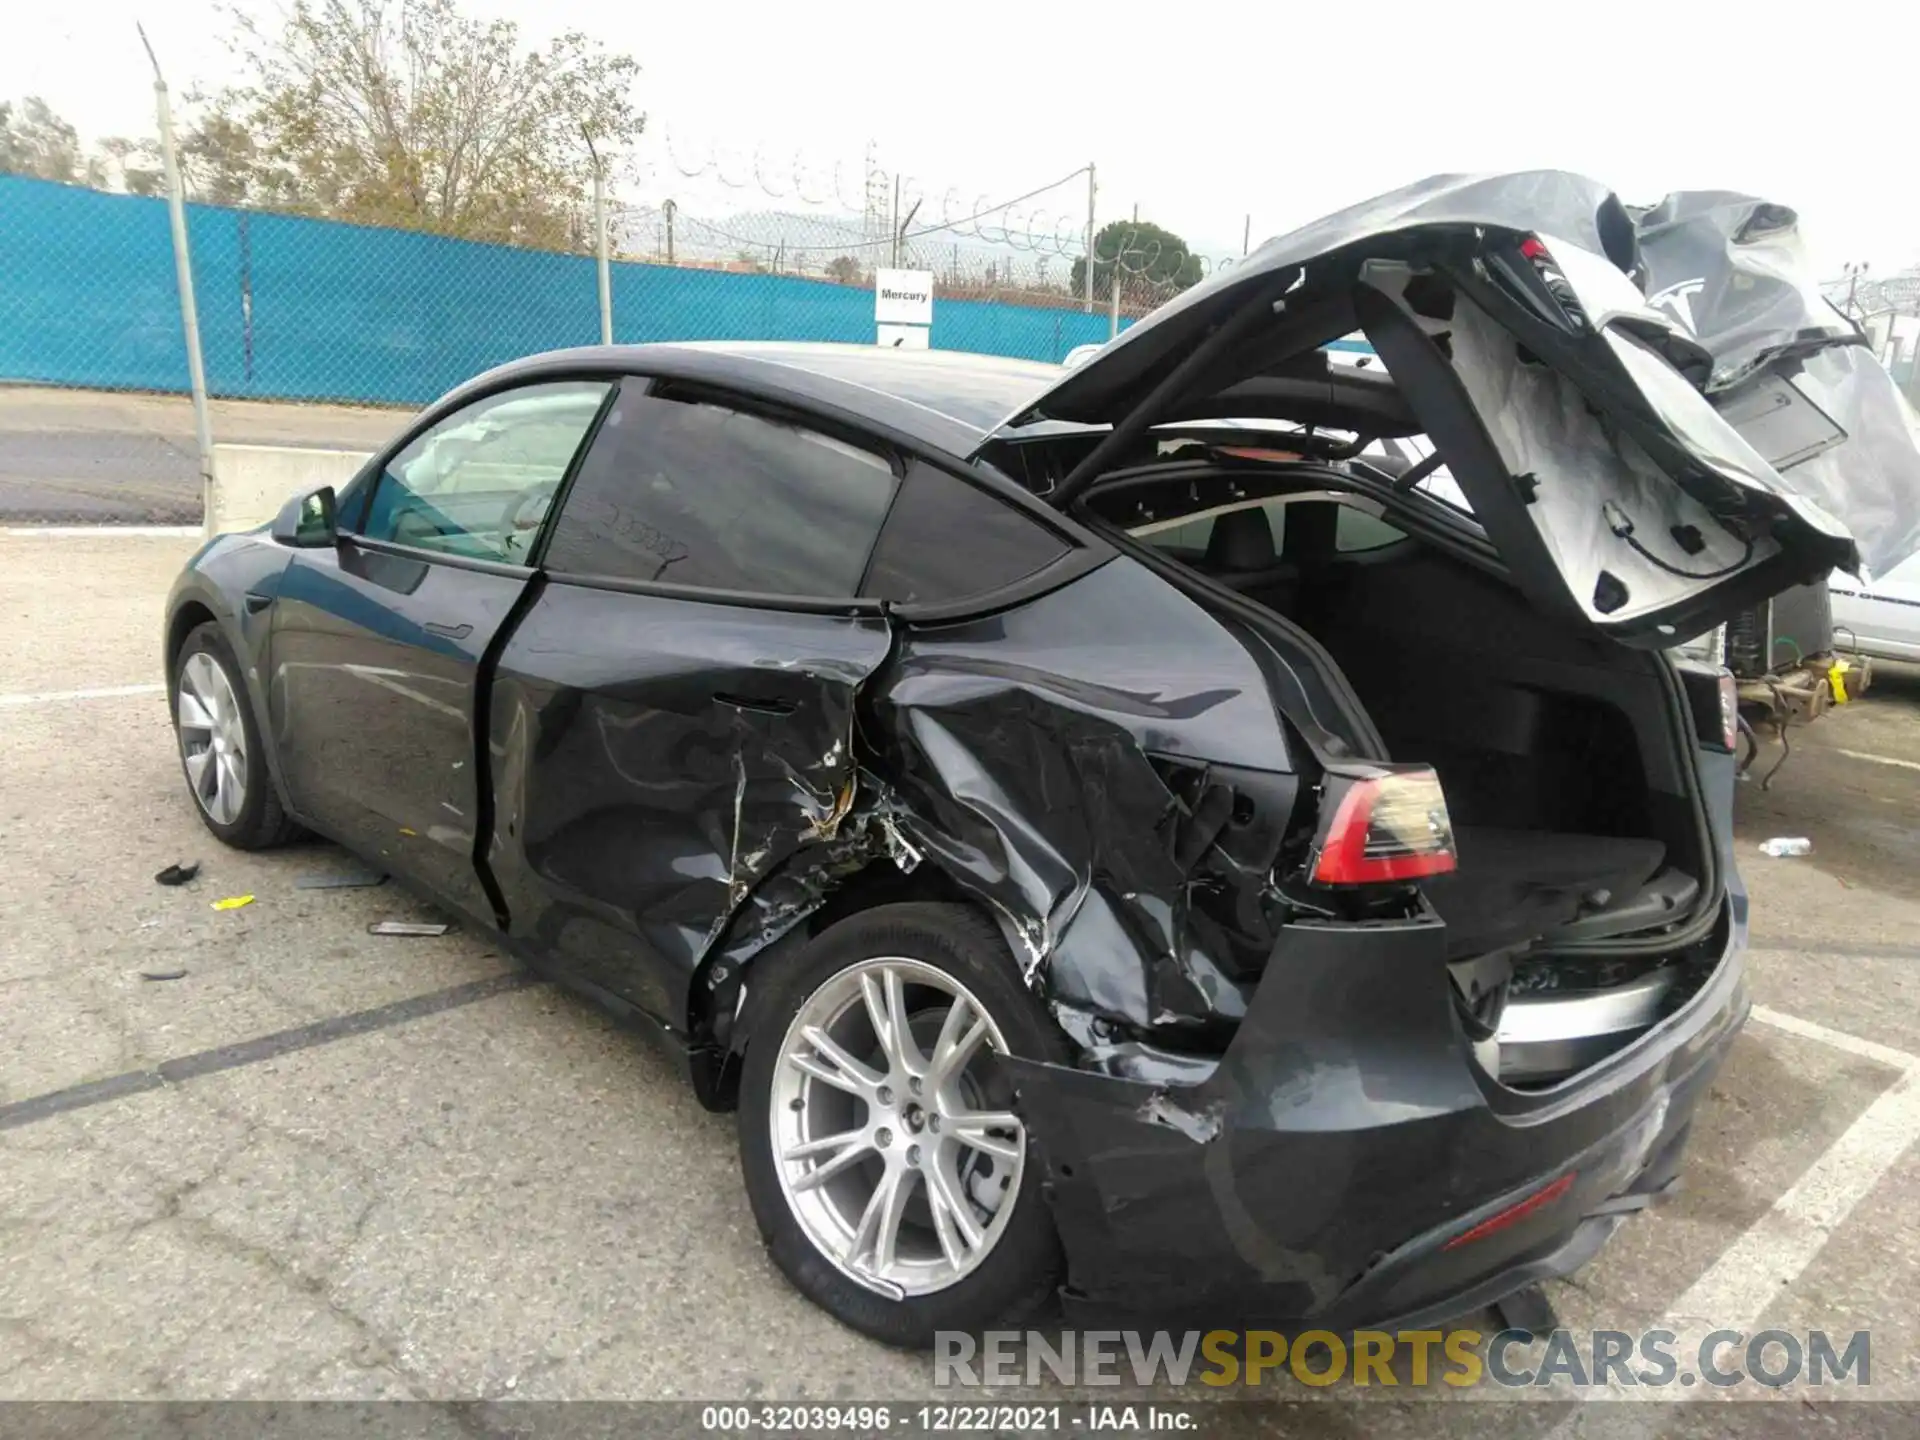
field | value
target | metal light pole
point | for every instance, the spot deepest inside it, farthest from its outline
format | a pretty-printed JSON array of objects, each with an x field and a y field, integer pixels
[
  {"x": 1092, "y": 190},
  {"x": 183, "y": 276},
  {"x": 900, "y": 236},
  {"x": 1113, "y": 287},
  {"x": 605, "y": 273}
]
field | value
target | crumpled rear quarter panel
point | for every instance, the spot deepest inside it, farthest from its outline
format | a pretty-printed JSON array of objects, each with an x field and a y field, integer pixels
[{"x": 1030, "y": 752}]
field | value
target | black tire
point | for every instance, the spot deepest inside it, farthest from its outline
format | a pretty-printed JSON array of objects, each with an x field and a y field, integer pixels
[
  {"x": 1023, "y": 1269},
  {"x": 262, "y": 822}
]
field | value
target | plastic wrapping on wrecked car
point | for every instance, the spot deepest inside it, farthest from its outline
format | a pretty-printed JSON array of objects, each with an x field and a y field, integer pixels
[{"x": 1733, "y": 269}]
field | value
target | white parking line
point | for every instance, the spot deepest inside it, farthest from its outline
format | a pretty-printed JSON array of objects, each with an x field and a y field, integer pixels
[
  {"x": 1737, "y": 1290},
  {"x": 1838, "y": 1039},
  {"x": 97, "y": 532},
  {"x": 1877, "y": 759},
  {"x": 55, "y": 697}
]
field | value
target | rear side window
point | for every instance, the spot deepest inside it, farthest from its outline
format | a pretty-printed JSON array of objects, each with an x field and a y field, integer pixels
[
  {"x": 946, "y": 540},
  {"x": 691, "y": 493}
]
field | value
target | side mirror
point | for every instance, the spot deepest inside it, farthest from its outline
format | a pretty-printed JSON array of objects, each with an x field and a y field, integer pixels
[{"x": 306, "y": 520}]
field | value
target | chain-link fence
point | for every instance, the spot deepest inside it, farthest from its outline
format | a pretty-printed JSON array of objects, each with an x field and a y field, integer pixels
[
  {"x": 1887, "y": 310},
  {"x": 355, "y": 322}
]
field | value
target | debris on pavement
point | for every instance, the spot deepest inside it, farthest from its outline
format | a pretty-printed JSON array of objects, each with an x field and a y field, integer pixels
[
  {"x": 357, "y": 878},
  {"x": 1784, "y": 845},
  {"x": 407, "y": 927},
  {"x": 163, "y": 972},
  {"x": 233, "y": 902},
  {"x": 178, "y": 874}
]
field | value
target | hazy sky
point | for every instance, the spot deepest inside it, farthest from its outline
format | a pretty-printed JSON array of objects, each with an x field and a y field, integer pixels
[{"x": 1201, "y": 114}]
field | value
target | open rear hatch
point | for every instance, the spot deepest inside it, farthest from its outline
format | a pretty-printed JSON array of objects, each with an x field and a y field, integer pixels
[
  {"x": 1568, "y": 410},
  {"x": 1572, "y": 415}
]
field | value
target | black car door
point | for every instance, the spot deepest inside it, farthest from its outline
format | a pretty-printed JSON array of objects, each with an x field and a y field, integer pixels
[
  {"x": 377, "y": 641},
  {"x": 673, "y": 715}
]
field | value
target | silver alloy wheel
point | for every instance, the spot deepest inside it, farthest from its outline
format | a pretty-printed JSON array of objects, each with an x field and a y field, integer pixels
[
  {"x": 213, "y": 738},
  {"x": 888, "y": 1160}
]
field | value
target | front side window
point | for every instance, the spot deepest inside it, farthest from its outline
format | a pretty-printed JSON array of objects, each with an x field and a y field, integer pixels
[
  {"x": 686, "y": 492},
  {"x": 479, "y": 482}
]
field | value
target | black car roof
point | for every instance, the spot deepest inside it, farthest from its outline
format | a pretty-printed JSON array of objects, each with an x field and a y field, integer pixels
[{"x": 946, "y": 399}]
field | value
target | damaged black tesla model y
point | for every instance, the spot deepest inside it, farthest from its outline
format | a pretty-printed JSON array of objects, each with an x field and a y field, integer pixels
[{"x": 1102, "y": 831}]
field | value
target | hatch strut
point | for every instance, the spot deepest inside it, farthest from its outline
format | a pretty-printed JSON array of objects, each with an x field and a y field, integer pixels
[{"x": 1139, "y": 419}]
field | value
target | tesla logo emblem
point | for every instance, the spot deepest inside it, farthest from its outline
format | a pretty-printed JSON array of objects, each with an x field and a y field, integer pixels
[{"x": 1677, "y": 301}]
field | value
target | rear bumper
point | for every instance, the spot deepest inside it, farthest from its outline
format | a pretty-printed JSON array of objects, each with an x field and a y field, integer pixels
[{"x": 1346, "y": 1163}]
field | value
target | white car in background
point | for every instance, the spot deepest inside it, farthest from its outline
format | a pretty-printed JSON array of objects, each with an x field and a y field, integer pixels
[{"x": 1881, "y": 620}]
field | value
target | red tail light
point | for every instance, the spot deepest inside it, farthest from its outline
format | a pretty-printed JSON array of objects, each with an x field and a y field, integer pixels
[
  {"x": 1388, "y": 824},
  {"x": 1514, "y": 1214}
]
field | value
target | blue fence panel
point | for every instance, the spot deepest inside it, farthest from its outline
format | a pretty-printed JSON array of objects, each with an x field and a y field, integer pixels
[
  {"x": 1025, "y": 332},
  {"x": 87, "y": 294},
  {"x": 668, "y": 302},
  {"x": 347, "y": 311},
  {"x": 294, "y": 308}
]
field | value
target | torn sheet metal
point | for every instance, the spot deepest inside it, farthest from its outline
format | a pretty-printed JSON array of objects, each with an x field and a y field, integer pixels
[
  {"x": 1124, "y": 818},
  {"x": 644, "y": 791},
  {"x": 1122, "y": 823},
  {"x": 1734, "y": 270}
]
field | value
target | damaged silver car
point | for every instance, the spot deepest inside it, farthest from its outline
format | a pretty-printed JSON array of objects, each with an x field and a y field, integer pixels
[{"x": 1095, "y": 848}]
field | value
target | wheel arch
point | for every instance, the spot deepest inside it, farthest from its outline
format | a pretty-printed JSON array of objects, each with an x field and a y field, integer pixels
[
  {"x": 715, "y": 1000},
  {"x": 188, "y": 616},
  {"x": 196, "y": 602}
]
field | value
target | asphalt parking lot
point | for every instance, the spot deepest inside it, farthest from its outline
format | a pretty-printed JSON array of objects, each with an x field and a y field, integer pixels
[
  {"x": 111, "y": 458},
  {"x": 437, "y": 1179}
]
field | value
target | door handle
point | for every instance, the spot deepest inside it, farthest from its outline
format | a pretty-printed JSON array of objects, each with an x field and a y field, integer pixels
[
  {"x": 447, "y": 632},
  {"x": 759, "y": 705}
]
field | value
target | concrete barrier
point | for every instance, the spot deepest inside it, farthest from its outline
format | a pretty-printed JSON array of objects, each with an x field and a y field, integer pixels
[{"x": 252, "y": 482}]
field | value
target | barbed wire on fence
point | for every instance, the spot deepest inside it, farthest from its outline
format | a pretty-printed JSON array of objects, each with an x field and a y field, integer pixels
[{"x": 1861, "y": 296}]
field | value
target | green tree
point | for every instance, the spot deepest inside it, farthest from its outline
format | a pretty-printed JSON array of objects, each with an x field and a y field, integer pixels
[
  {"x": 844, "y": 269},
  {"x": 1159, "y": 257},
  {"x": 138, "y": 163},
  {"x": 35, "y": 141},
  {"x": 409, "y": 113}
]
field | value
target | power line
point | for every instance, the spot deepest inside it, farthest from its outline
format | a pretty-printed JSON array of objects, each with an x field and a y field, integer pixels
[{"x": 849, "y": 245}]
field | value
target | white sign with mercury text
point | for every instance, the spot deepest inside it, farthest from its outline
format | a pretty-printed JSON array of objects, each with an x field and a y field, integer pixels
[{"x": 903, "y": 297}]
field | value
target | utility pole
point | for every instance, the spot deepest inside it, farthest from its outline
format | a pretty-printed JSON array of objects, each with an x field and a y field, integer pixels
[
  {"x": 894, "y": 222},
  {"x": 900, "y": 235},
  {"x": 602, "y": 273},
  {"x": 183, "y": 276},
  {"x": 1854, "y": 269},
  {"x": 1246, "y": 238},
  {"x": 1092, "y": 190},
  {"x": 667, "y": 210}
]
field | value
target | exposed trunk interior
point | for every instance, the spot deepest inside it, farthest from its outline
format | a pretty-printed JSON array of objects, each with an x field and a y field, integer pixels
[{"x": 1560, "y": 753}]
